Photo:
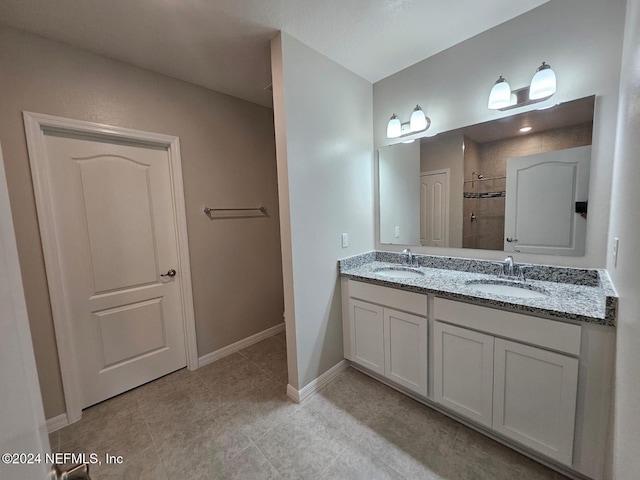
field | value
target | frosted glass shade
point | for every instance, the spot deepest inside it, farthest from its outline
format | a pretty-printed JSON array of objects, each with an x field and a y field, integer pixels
[
  {"x": 543, "y": 83},
  {"x": 500, "y": 95},
  {"x": 394, "y": 127},
  {"x": 418, "y": 120}
]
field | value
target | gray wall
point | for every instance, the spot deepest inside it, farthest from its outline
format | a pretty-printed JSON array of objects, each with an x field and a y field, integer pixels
[
  {"x": 625, "y": 225},
  {"x": 323, "y": 118},
  {"x": 399, "y": 184},
  {"x": 580, "y": 39},
  {"x": 228, "y": 158}
]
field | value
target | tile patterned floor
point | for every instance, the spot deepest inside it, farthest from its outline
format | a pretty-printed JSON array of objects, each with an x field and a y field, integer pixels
[{"x": 232, "y": 420}]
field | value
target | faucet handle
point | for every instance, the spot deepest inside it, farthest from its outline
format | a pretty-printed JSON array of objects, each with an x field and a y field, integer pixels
[
  {"x": 501, "y": 266},
  {"x": 522, "y": 270}
]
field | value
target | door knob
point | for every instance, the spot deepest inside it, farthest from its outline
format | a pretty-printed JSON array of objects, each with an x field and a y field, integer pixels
[{"x": 170, "y": 273}]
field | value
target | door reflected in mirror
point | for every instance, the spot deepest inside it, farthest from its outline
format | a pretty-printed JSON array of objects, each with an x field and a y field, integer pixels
[{"x": 518, "y": 184}]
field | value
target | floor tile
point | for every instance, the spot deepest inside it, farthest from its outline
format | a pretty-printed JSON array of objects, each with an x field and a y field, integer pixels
[
  {"x": 229, "y": 385},
  {"x": 100, "y": 417},
  {"x": 232, "y": 419},
  {"x": 204, "y": 455},
  {"x": 300, "y": 447},
  {"x": 354, "y": 465},
  {"x": 172, "y": 388},
  {"x": 125, "y": 434},
  {"x": 250, "y": 464},
  {"x": 146, "y": 465},
  {"x": 257, "y": 415},
  {"x": 270, "y": 355}
]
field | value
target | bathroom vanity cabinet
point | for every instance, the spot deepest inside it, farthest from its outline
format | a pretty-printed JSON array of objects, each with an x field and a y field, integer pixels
[
  {"x": 513, "y": 373},
  {"x": 386, "y": 332},
  {"x": 537, "y": 384}
]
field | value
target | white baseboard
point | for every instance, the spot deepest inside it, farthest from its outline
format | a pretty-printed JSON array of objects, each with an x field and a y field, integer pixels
[
  {"x": 244, "y": 343},
  {"x": 56, "y": 423},
  {"x": 312, "y": 387}
]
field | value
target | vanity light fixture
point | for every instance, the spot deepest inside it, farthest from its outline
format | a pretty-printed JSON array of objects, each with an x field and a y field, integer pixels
[
  {"x": 500, "y": 95},
  {"x": 525, "y": 129},
  {"x": 394, "y": 127},
  {"x": 418, "y": 122},
  {"x": 543, "y": 83},
  {"x": 543, "y": 86}
]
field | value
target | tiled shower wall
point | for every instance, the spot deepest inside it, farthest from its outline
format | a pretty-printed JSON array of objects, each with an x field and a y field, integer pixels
[{"x": 484, "y": 198}]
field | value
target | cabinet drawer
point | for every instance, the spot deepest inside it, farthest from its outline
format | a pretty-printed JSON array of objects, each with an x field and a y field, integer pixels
[
  {"x": 554, "y": 335},
  {"x": 389, "y": 297}
]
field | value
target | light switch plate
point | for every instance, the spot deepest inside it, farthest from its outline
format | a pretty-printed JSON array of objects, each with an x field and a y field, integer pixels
[
  {"x": 345, "y": 240},
  {"x": 397, "y": 232}
]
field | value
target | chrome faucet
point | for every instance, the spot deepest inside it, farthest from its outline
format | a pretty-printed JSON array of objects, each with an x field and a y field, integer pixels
[
  {"x": 509, "y": 265},
  {"x": 409, "y": 255},
  {"x": 508, "y": 269}
]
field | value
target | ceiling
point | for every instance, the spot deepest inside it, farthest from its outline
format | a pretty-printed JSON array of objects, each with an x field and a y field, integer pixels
[{"x": 224, "y": 44}]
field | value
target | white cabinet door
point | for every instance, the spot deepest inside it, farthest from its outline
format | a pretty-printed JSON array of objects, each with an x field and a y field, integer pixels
[
  {"x": 535, "y": 398},
  {"x": 406, "y": 350},
  {"x": 463, "y": 371},
  {"x": 367, "y": 335}
]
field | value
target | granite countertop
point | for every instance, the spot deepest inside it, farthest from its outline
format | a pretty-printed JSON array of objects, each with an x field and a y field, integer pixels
[{"x": 592, "y": 301}]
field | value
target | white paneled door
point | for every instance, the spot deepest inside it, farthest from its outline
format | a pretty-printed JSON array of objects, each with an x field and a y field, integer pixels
[
  {"x": 434, "y": 208},
  {"x": 540, "y": 204},
  {"x": 114, "y": 218}
]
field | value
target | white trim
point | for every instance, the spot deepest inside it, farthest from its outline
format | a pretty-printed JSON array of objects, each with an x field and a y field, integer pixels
[
  {"x": 239, "y": 345},
  {"x": 313, "y": 386},
  {"x": 35, "y": 124},
  {"x": 57, "y": 423},
  {"x": 24, "y": 421}
]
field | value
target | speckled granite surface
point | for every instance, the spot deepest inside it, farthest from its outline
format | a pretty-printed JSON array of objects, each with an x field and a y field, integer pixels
[{"x": 585, "y": 295}]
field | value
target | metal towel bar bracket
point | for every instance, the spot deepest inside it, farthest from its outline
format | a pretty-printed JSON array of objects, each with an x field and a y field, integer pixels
[{"x": 208, "y": 210}]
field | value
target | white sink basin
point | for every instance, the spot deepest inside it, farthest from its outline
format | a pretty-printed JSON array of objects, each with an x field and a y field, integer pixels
[
  {"x": 507, "y": 290},
  {"x": 398, "y": 273}
]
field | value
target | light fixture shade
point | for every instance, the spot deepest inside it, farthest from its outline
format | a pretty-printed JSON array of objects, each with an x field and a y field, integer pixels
[
  {"x": 418, "y": 120},
  {"x": 543, "y": 83},
  {"x": 500, "y": 95},
  {"x": 394, "y": 127}
]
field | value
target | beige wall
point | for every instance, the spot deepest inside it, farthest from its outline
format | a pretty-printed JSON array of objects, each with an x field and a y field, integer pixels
[{"x": 228, "y": 157}]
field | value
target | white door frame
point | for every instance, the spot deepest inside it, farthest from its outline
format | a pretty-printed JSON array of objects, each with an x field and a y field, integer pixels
[
  {"x": 23, "y": 422},
  {"x": 35, "y": 125}
]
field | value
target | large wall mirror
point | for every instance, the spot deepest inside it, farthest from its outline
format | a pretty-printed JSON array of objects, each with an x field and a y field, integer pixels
[{"x": 518, "y": 184}]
